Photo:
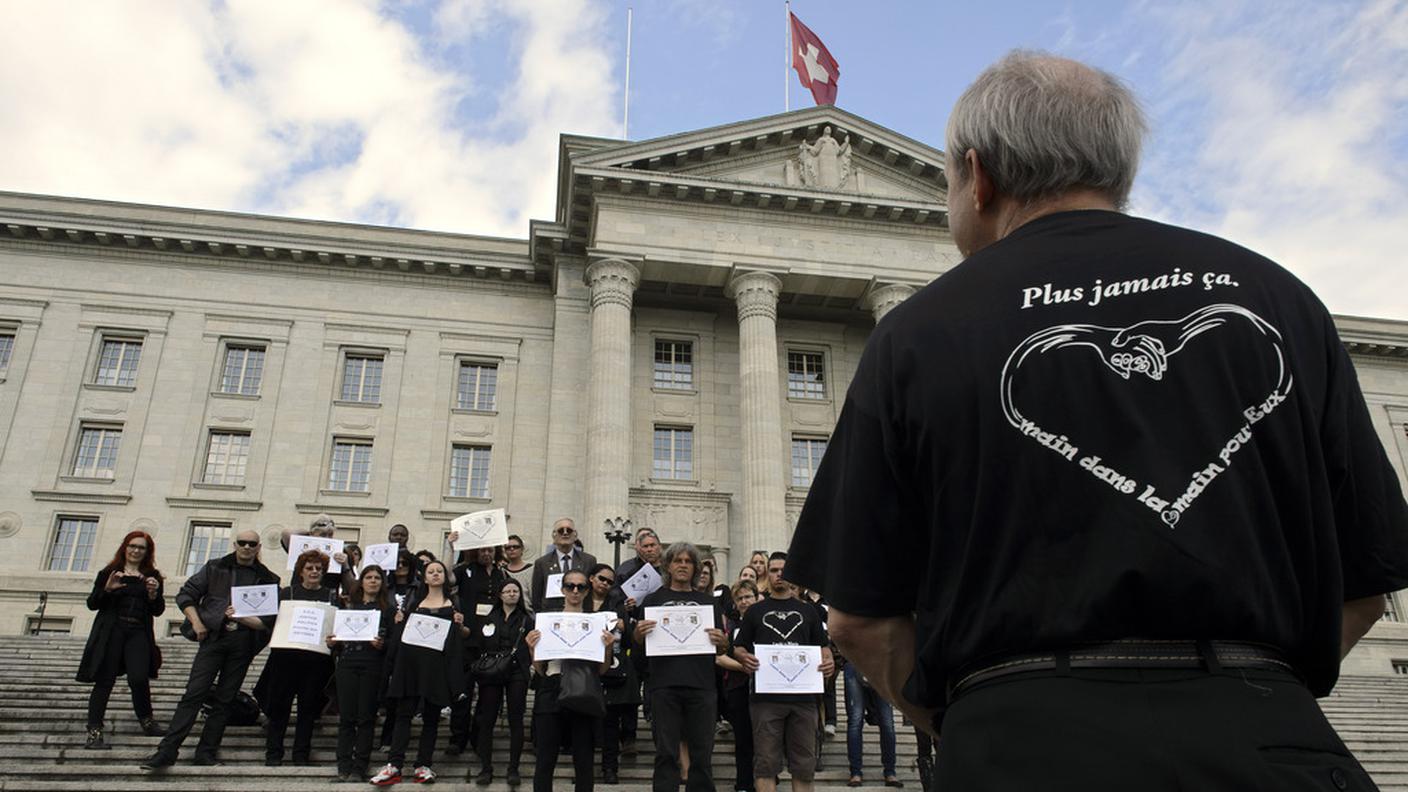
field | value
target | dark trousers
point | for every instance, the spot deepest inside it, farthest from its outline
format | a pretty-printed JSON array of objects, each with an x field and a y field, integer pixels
[
  {"x": 683, "y": 715},
  {"x": 429, "y": 731},
  {"x": 630, "y": 717},
  {"x": 611, "y": 735},
  {"x": 551, "y": 727},
  {"x": 388, "y": 726},
  {"x": 490, "y": 697},
  {"x": 302, "y": 676},
  {"x": 358, "y": 683},
  {"x": 1146, "y": 729},
  {"x": 736, "y": 713},
  {"x": 127, "y": 651},
  {"x": 221, "y": 661},
  {"x": 828, "y": 700},
  {"x": 461, "y": 722}
]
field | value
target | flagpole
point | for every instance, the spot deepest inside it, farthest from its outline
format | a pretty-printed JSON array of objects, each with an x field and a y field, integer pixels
[
  {"x": 626, "y": 100},
  {"x": 787, "y": 60}
]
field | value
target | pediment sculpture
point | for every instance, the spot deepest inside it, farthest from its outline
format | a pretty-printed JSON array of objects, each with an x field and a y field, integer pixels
[{"x": 825, "y": 164}]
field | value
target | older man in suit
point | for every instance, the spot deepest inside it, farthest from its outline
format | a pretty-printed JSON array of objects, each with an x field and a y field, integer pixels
[{"x": 563, "y": 557}]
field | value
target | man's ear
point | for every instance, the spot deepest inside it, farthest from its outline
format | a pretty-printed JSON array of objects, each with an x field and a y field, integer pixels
[{"x": 981, "y": 188}]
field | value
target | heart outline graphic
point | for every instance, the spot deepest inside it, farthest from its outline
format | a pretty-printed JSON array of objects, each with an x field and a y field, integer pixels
[
  {"x": 356, "y": 624},
  {"x": 254, "y": 599},
  {"x": 680, "y": 628},
  {"x": 427, "y": 628},
  {"x": 479, "y": 527},
  {"x": 784, "y": 617},
  {"x": 788, "y": 665},
  {"x": 1146, "y": 348}
]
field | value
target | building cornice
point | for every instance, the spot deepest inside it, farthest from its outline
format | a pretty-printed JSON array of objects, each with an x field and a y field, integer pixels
[{"x": 1374, "y": 338}]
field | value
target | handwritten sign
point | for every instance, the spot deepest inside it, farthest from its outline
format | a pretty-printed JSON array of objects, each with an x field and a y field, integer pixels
[{"x": 303, "y": 625}]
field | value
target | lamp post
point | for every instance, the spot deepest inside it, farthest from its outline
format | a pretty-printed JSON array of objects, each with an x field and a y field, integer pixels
[
  {"x": 618, "y": 532},
  {"x": 39, "y": 622}
]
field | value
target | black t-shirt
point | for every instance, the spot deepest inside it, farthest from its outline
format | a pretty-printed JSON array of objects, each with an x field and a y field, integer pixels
[
  {"x": 1103, "y": 427},
  {"x": 687, "y": 671},
  {"x": 780, "y": 621}
]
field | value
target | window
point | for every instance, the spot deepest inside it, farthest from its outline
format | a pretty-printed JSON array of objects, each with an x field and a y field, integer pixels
[
  {"x": 806, "y": 378},
  {"x": 806, "y": 456},
  {"x": 674, "y": 364},
  {"x": 673, "y": 453},
  {"x": 50, "y": 625},
  {"x": 361, "y": 378},
  {"x": 469, "y": 471},
  {"x": 1400, "y": 667},
  {"x": 478, "y": 384},
  {"x": 7, "y": 348},
  {"x": 97, "y": 451},
  {"x": 208, "y": 540},
  {"x": 73, "y": 544},
  {"x": 226, "y": 458},
  {"x": 117, "y": 363},
  {"x": 351, "y": 469},
  {"x": 243, "y": 370},
  {"x": 1390, "y": 609}
]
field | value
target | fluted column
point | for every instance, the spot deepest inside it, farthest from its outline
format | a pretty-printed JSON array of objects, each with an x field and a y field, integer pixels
[
  {"x": 764, "y": 491},
  {"x": 613, "y": 284},
  {"x": 884, "y": 298}
]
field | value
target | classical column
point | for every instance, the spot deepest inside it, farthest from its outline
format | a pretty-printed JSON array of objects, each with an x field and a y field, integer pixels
[
  {"x": 882, "y": 299},
  {"x": 613, "y": 283},
  {"x": 764, "y": 491}
]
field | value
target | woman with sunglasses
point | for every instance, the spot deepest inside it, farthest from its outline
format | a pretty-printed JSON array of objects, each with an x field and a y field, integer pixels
[
  {"x": 504, "y": 631},
  {"x": 514, "y": 565},
  {"x": 424, "y": 680},
  {"x": 360, "y": 666},
  {"x": 550, "y": 721},
  {"x": 297, "y": 673},
  {"x": 127, "y": 594}
]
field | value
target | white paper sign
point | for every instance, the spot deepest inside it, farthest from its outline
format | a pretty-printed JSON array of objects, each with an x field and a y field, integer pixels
[
  {"x": 571, "y": 636},
  {"x": 382, "y": 555},
  {"x": 356, "y": 625},
  {"x": 785, "y": 668},
  {"x": 298, "y": 545},
  {"x": 644, "y": 582},
  {"x": 255, "y": 600},
  {"x": 426, "y": 631},
  {"x": 303, "y": 625},
  {"x": 679, "y": 630},
  {"x": 553, "y": 590},
  {"x": 480, "y": 529}
]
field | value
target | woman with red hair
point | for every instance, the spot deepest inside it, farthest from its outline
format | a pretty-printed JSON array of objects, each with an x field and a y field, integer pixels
[{"x": 128, "y": 595}]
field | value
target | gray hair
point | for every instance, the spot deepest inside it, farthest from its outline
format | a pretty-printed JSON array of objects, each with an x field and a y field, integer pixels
[
  {"x": 681, "y": 548},
  {"x": 1042, "y": 125}
]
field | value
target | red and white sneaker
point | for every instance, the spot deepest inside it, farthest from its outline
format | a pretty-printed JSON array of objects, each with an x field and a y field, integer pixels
[
  {"x": 424, "y": 775},
  {"x": 388, "y": 775}
]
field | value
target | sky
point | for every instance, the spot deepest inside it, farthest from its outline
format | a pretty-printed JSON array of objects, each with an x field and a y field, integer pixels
[{"x": 1280, "y": 124}]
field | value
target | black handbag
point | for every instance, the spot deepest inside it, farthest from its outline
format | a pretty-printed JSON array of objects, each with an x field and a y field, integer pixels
[
  {"x": 580, "y": 690},
  {"x": 494, "y": 667}
]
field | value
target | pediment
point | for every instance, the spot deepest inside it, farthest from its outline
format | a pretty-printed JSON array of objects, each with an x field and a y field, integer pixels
[{"x": 819, "y": 149}]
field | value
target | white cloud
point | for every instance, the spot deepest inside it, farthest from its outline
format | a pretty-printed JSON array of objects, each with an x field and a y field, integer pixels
[
  {"x": 1284, "y": 129},
  {"x": 320, "y": 108}
]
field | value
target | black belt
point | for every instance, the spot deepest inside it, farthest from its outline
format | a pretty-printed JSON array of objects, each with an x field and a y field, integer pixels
[
  {"x": 1133, "y": 653},
  {"x": 130, "y": 619}
]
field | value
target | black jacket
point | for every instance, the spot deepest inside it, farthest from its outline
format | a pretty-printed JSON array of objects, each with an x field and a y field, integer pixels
[
  {"x": 209, "y": 592},
  {"x": 105, "y": 603}
]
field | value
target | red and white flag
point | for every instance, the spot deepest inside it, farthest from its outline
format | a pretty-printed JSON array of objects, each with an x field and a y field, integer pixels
[{"x": 814, "y": 64}]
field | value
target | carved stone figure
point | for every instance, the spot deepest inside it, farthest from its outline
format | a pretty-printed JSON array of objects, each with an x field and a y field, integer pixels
[{"x": 824, "y": 163}]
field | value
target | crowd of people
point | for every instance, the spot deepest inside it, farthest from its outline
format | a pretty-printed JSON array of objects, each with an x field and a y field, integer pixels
[{"x": 483, "y": 673}]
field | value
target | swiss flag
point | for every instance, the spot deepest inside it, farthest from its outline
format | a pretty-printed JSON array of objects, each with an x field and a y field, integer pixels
[{"x": 814, "y": 64}]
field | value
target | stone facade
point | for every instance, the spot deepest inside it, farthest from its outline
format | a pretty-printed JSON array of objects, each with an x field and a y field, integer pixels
[{"x": 285, "y": 368}]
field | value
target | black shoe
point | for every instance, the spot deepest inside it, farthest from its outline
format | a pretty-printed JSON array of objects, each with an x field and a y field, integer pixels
[
  {"x": 301, "y": 761},
  {"x": 95, "y": 740},
  {"x": 157, "y": 761},
  {"x": 513, "y": 778},
  {"x": 454, "y": 749},
  {"x": 152, "y": 727},
  {"x": 273, "y": 761},
  {"x": 485, "y": 776},
  {"x": 207, "y": 761},
  {"x": 609, "y": 777}
]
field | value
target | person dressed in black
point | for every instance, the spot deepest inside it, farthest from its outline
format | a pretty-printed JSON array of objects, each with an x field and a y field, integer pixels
[
  {"x": 298, "y": 673},
  {"x": 605, "y": 596},
  {"x": 478, "y": 576},
  {"x": 424, "y": 679},
  {"x": 361, "y": 675},
  {"x": 735, "y": 688},
  {"x": 128, "y": 595},
  {"x": 504, "y": 631},
  {"x": 227, "y": 647},
  {"x": 1134, "y": 522},
  {"x": 626, "y": 702},
  {"x": 683, "y": 700},
  {"x": 401, "y": 583},
  {"x": 552, "y": 722}
]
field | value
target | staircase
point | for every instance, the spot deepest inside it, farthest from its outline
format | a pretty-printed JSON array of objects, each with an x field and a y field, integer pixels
[{"x": 42, "y": 713}]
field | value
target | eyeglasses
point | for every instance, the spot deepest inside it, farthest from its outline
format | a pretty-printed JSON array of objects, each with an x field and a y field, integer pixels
[
  {"x": 574, "y": 586},
  {"x": 143, "y": 548},
  {"x": 513, "y": 547},
  {"x": 247, "y": 542},
  {"x": 604, "y": 579},
  {"x": 565, "y": 531}
]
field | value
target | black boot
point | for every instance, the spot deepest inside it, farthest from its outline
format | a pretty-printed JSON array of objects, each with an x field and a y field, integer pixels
[
  {"x": 95, "y": 740},
  {"x": 151, "y": 727},
  {"x": 925, "y": 765}
]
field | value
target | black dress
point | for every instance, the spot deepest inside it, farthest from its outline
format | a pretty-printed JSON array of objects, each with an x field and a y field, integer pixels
[
  {"x": 418, "y": 672},
  {"x": 300, "y": 674}
]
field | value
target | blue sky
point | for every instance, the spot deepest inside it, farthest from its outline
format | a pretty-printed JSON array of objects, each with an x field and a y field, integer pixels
[{"x": 1278, "y": 124}]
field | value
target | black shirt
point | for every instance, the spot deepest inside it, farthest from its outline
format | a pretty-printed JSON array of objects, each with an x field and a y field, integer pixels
[
  {"x": 780, "y": 621},
  {"x": 686, "y": 671},
  {"x": 1102, "y": 427}
]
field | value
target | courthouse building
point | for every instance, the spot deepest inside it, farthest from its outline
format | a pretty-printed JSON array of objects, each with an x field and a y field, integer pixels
[{"x": 672, "y": 347}]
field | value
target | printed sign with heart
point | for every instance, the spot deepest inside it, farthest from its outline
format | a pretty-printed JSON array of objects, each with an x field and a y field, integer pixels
[
  {"x": 571, "y": 631},
  {"x": 255, "y": 600},
  {"x": 789, "y": 664},
  {"x": 487, "y": 528},
  {"x": 680, "y": 627},
  {"x": 425, "y": 631}
]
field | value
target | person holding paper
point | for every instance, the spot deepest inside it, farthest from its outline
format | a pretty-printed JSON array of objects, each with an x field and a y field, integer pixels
[
  {"x": 564, "y": 557},
  {"x": 360, "y": 667},
  {"x": 350, "y": 570},
  {"x": 127, "y": 594},
  {"x": 683, "y": 700},
  {"x": 505, "y": 630},
  {"x": 294, "y": 673},
  {"x": 784, "y": 725},
  {"x": 647, "y": 544},
  {"x": 620, "y": 684},
  {"x": 552, "y": 721},
  {"x": 424, "y": 679},
  {"x": 478, "y": 577},
  {"x": 735, "y": 686},
  {"x": 227, "y": 646}
]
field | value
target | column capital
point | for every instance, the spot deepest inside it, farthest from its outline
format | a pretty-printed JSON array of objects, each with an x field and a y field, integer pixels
[
  {"x": 884, "y": 298},
  {"x": 756, "y": 294},
  {"x": 612, "y": 281}
]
